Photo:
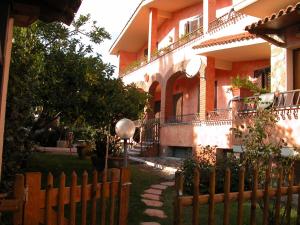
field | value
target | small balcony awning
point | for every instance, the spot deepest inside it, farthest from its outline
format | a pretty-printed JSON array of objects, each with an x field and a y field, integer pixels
[
  {"x": 234, "y": 48},
  {"x": 275, "y": 24},
  {"x": 225, "y": 40}
]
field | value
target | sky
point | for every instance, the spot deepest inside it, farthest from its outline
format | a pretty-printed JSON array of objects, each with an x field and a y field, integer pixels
[{"x": 112, "y": 15}]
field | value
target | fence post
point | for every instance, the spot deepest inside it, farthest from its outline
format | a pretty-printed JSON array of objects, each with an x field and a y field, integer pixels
[
  {"x": 254, "y": 197},
  {"x": 124, "y": 196},
  {"x": 19, "y": 191},
  {"x": 266, "y": 197},
  {"x": 32, "y": 208},
  {"x": 241, "y": 196},
  {"x": 212, "y": 188},
  {"x": 278, "y": 197},
  {"x": 48, "y": 207},
  {"x": 177, "y": 204},
  {"x": 115, "y": 177},
  {"x": 226, "y": 197},
  {"x": 289, "y": 197},
  {"x": 195, "y": 197}
]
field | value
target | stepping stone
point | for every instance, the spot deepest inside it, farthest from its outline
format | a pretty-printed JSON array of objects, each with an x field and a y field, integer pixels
[
  {"x": 151, "y": 196},
  {"x": 155, "y": 213},
  {"x": 169, "y": 183},
  {"x": 149, "y": 223},
  {"x": 153, "y": 191},
  {"x": 152, "y": 203},
  {"x": 159, "y": 186}
]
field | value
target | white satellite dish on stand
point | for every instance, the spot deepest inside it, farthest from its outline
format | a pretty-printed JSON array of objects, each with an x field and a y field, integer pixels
[{"x": 194, "y": 66}]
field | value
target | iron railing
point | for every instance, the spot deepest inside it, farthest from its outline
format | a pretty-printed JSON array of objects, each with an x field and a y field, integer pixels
[
  {"x": 225, "y": 20},
  {"x": 212, "y": 116},
  {"x": 219, "y": 115}
]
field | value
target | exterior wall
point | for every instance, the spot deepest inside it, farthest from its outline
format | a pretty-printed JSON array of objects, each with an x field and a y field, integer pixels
[
  {"x": 223, "y": 90},
  {"x": 178, "y": 135},
  {"x": 189, "y": 135},
  {"x": 174, "y": 27},
  {"x": 125, "y": 58},
  {"x": 287, "y": 128},
  {"x": 281, "y": 69}
]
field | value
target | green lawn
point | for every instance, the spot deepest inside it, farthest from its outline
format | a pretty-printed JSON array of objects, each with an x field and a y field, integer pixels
[{"x": 142, "y": 178}]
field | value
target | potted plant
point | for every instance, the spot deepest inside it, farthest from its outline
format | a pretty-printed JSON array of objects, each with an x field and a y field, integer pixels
[
  {"x": 85, "y": 140},
  {"x": 243, "y": 87},
  {"x": 115, "y": 154}
]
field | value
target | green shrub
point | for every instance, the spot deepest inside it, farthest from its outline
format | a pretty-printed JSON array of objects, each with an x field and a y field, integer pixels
[{"x": 231, "y": 162}]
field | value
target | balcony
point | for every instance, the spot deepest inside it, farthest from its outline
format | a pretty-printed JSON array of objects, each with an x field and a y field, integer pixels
[{"x": 218, "y": 24}]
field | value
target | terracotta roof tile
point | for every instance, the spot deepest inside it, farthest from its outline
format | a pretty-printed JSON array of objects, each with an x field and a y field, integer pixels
[
  {"x": 225, "y": 40},
  {"x": 274, "y": 16}
]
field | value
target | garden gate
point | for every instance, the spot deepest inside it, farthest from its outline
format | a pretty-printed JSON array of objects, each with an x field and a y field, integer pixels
[{"x": 103, "y": 203}]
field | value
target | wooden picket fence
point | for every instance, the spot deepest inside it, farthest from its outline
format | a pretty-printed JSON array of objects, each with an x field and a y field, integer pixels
[
  {"x": 103, "y": 203},
  {"x": 227, "y": 198}
]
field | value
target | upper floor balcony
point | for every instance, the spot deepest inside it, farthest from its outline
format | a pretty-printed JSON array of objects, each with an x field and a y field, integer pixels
[{"x": 182, "y": 48}]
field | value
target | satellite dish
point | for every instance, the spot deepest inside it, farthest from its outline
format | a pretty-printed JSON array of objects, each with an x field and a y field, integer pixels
[{"x": 193, "y": 67}]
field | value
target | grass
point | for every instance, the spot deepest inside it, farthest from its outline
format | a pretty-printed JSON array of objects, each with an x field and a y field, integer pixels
[{"x": 142, "y": 178}]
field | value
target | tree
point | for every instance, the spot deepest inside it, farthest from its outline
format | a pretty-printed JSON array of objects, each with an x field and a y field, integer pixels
[{"x": 54, "y": 71}]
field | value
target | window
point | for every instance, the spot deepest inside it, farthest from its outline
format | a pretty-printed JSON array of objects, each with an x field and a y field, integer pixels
[
  {"x": 193, "y": 24},
  {"x": 178, "y": 106},
  {"x": 157, "y": 109},
  {"x": 216, "y": 95},
  {"x": 263, "y": 76}
]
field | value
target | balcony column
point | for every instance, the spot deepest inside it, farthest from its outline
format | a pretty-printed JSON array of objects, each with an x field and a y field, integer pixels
[
  {"x": 209, "y": 13},
  {"x": 207, "y": 93},
  {"x": 281, "y": 69},
  {"x": 152, "y": 34}
]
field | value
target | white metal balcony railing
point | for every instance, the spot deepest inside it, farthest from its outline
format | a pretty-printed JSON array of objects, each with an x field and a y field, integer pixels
[
  {"x": 277, "y": 101},
  {"x": 221, "y": 22}
]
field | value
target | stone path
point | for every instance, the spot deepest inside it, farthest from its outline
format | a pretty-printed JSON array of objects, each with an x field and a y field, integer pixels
[{"x": 152, "y": 198}]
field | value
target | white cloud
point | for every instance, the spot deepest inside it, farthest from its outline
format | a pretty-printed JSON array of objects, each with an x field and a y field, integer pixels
[{"x": 112, "y": 15}]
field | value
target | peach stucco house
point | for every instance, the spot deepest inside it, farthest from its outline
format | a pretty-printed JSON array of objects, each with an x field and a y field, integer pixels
[{"x": 185, "y": 52}]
